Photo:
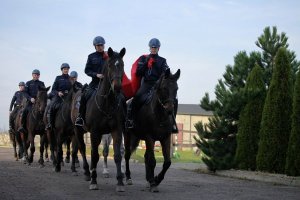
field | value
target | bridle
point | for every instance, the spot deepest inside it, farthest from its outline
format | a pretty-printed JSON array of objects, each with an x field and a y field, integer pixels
[{"x": 111, "y": 88}]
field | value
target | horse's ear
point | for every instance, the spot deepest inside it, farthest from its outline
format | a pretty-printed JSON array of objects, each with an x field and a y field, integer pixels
[
  {"x": 177, "y": 75},
  {"x": 110, "y": 52},
  {"x": 167, "y": 73},
  {"x": 48, "y": 88},
  {"x": 122, "y": 52}
]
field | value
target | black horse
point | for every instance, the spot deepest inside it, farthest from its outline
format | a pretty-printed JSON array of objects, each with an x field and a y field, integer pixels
[
  {"x": 80, "y": 131},
  {"x": 154, "y": 123},
  {"x": 106, "y": 114},
  {"x": 35, "y": 126},
  {"x": 14, "y": 135},
  {"x": 63, "y": 131}
]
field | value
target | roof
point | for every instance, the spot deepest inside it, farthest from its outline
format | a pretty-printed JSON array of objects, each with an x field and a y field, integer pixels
[{"x": 192, "y": 109}]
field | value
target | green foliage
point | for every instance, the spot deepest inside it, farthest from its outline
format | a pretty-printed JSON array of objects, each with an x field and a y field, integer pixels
[
  {"x": 270, "y": 42},
  {"x": 249, "y": 121},
  {"x": 292, "y": 167},
  {"x": 217, "y": 138},
  {"x": 276, "y": 118}
]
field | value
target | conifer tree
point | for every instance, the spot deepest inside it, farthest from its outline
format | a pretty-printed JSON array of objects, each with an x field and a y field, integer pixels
[
  {"x": 292, "y": 167},
  {"x": 276, "y": 117},
  {"x": 249, "y": 121}
]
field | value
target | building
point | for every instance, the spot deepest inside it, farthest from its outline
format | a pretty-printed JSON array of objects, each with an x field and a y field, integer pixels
[{"x": 187, "y": 116}]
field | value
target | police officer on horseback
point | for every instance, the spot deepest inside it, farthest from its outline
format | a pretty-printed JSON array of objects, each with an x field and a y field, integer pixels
[
  {"x": 60, "y": 88},
  {"x": 150, "y": 68},
  {"x": 93, "y": 68},
  {"x": 31, "y": 88},
  {"x": 73, "y": 78},
  {"x": 16, "y": 103}
]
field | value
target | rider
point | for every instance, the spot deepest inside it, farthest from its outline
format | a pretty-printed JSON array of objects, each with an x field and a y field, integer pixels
[
  {"x": 150, "y": 67},
  {"x": 93, "y": 69},
  {"x": 60, "y": 88},
  {"x": 73, "y": 78},
  {"x": 16, "y": 103},
  {"x": 31, "y": 88}
]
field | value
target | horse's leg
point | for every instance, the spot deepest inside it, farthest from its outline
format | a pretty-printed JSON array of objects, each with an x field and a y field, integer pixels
[
  {"x": 46, "y": 146},
  {"x": 59, "y": 151},
  {"x": 106, "y": 140},
  {"x": 52, "y": 142},
  {"x": 32, "y": 146},
  {"x": 150, "y": 164},
  {"x": 95, "y": 142},
  {"x": 68, "y": 143},
  {"x": 25, "y": 148},
  {"x": 74, "y": 153},
  {"x": 42, "y": 142},
  {"x": 20, "y": 145},
  {"x": 165, "y": 144},
  {"x": 13, "y": 140},
  {"x": 129, "y": 139},
  {"x": 117, "y": 139},
  {"x": 82, "y": 148}
]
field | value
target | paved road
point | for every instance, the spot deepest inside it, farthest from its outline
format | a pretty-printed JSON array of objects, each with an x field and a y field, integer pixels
[{"x": 19, "y": 181}]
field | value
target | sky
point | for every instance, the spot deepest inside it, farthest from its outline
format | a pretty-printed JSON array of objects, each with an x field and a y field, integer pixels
[{"x": 200, "y": 37}]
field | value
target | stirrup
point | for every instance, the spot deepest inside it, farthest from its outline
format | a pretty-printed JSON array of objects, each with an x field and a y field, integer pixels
[
  {"x": 79, "y": 121},
  {"x": 22, "y": 129},
  {"x": 129, "y": 124},
  {"x": 48, "y": 127}
]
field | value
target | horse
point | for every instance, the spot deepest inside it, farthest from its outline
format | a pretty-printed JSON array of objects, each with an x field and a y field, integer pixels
[
  {"x": 35, "y": 126},
  {"x": 14, "y": 135},
  {"x": 63, "y": 131},
  {"x": 154, "y": 123},
  {"x": 106, "y": 114}
]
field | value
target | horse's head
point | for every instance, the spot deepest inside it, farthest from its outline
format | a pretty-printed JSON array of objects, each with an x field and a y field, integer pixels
[
  {"x": 167, "y": 90},
  {"x": 41, "y": 99},
  {"x": 114, "y": 69}
]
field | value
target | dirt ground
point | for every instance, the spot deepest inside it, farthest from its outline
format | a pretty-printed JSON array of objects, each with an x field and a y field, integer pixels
[{"x": 19, "y": 181}]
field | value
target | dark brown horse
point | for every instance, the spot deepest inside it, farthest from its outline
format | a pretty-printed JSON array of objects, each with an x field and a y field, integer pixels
[
  {"x": 63, "y": 131},
  {"x": 106, "y": 114},
  {"x": 79, "y": 132},
  {"x": 35, "y": 126},
  {"x": 154, "y": 123}
]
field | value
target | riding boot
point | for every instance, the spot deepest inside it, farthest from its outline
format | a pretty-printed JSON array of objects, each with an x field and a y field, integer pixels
[
  {"x": 82, "y": 110},
  {"x": 130, "y": 116},
  {"x": 11, "y": 122},
  {"x": 23, "y": 121},
  {"x": 49, "y": 119}
]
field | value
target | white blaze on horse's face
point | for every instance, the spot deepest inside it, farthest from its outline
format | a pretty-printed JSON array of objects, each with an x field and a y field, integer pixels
[{"x": 117, "y": 63}]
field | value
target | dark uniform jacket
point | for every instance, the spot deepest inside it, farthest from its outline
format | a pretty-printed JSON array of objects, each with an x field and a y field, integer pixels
[
  {"x": 62, "y": 84},
  {"x": 31, "y": 88},
  {"x": 151, "y": 67},
  {"x": 17, "y": 99},
  {"x": 94, "y": 66}
]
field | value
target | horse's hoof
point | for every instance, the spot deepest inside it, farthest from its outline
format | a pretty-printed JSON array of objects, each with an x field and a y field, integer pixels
[
  {"x": 42, "y": 165},
  {"x": 47, "y": 160},
  {"x": 87, "y": 178},
  {"x": 147, "y": 185},
  {"x": 154, "y": 189},
  {"x": 120, "y": 188},
  {"x": 67, "y": 160},
  {"x": 17, "y": 159},
  {"x": 77, "y": 165},
  {"x": 129, "y": 181},
  {"x": 94, "y": 187},
  {"x": 57, "y": 169},
  {"x": 74, "y": 174}
]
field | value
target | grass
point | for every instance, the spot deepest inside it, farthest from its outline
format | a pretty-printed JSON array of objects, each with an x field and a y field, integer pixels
[{"x": 187, "y": 156}]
